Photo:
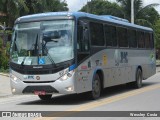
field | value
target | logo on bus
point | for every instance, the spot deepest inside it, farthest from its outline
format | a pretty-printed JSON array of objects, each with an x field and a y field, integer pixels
[
  {"x": 37, "y": 77},
  {"x": 120, "y": 57},
  {"x": 124, "y": 57},
  {"x": 28, "y": 77}
]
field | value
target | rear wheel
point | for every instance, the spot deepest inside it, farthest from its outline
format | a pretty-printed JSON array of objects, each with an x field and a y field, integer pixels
[
  {"x": 96, "y": 87},
  {"x": 138, "y": 82},
  {"x": 45, "y": 97}
]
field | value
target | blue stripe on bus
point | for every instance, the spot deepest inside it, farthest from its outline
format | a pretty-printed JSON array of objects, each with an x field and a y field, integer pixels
[{"x": 72, "y": 67}]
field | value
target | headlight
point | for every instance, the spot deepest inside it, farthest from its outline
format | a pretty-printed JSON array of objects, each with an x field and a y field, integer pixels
[
  {"x": 13, "y": 77},
  {"x": 66, "y": 76}
]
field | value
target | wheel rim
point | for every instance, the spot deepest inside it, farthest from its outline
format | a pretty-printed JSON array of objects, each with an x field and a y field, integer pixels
[
  {"x": 139, "y": 79},
  {"x": 96, "y": 87}
]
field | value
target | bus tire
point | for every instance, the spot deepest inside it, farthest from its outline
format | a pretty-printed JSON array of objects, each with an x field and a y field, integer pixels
[
  {"x": 138, "y": 82},
  {"x": 96, "y": 87},
  {"x": 45, "y": 97}
]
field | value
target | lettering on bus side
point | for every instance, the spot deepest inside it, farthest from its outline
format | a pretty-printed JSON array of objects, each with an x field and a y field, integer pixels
[{"x": 124, "y": 57}]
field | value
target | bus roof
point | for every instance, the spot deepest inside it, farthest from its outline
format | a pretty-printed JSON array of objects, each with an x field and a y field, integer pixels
[{"x": 67, "y": 15}]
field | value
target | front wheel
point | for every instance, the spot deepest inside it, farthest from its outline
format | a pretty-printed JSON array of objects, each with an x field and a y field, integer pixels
[
  {"x": 45, "y": 97},
  {"x": 96, "y": 87}
]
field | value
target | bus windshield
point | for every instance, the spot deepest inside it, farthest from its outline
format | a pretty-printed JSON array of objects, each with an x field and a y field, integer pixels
[{"x": 41, "y": 43}]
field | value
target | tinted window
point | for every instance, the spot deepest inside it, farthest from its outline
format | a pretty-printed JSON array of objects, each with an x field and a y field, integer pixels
[
  {"x": 79, "y": 38},
  {"x": 110, "y": 33},
  {"x": 132, "y": 38},
  {"x": 97, "y": 34},
  {"x": 122, "y": 37},
  {"x": 140, "y": 38},
  {"x": 82, "y": 41},
  {"x": 152, "y": 40},
  {"x": 147, "y": 40}
]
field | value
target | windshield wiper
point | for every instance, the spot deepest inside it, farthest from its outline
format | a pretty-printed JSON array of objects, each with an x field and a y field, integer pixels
[
  {"x": 48, "y": 55},
  {"x": 22, "y": 63}
]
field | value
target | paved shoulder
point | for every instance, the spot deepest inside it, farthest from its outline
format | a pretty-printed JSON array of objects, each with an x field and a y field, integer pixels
[{"x": 5, "y": 86}]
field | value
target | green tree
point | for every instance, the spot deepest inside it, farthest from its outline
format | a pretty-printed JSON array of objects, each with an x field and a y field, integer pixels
[
  {"x": 4, "y": 59},
  {"x": 101, "y": 7},
  {"x": 157, "y": 33},
  {"x": 39, "y": 6},
  {"x": 15, "y": 8},
  {"x": 11, "y": 10},
  {"x": 146, "y": 16}
]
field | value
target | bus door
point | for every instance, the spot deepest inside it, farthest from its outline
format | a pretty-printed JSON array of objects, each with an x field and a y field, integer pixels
[{"x": 83, "y": 56}]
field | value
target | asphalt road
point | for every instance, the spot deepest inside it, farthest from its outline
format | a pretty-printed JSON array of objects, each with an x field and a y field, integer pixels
[{"x": 118, "y": 98}]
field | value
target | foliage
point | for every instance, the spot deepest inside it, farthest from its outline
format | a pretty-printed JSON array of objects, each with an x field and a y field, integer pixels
[
  {"x": 4, "y": 58},
  {"x": 11, "y": 10},
  {"x": 15, "y": 8},
  {"x": 39, "y": 6},
  {"x": 146, "y": 16},
  {"x": 157, "y": 33},
  {"x": 101, "y": 7}
]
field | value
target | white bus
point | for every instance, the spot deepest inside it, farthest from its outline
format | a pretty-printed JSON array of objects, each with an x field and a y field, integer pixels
[{"x": 72, "y": 53}]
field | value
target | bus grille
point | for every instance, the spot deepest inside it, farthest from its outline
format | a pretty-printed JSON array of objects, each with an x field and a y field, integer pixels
[
  {"x": 38, "y": 81},
  {"x": 32, "y": 89}
]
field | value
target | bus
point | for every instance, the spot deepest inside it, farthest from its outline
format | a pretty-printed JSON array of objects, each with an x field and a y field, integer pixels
[{"x": 76, "y": 52}]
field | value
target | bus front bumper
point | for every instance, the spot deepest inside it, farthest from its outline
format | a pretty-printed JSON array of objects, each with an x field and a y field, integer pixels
[{"x": 58, "y": 86}]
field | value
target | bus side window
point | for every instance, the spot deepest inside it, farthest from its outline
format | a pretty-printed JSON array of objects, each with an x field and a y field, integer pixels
[
  {"x": 83, "y": 39},
  {"x": 97, "y": 34},
  {"x": 79, "y": 37},
  {"x": 110, "y": 35},
  {"x": 140, "y": 38},
  {"x": 132, "y": 38},
  {"x": 83, "y": 47},
  {"x": 85, "y": 43},
  {"x": 147, "y": 40},
  {"x": 151, "y": 40},
  {"x": 122, "y": 37}
]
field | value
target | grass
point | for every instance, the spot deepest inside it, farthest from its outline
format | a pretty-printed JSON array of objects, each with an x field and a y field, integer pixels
[{"x": 4, "y": 71}]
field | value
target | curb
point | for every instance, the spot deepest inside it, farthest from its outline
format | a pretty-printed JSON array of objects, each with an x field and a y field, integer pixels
[
  {"x": 7, "y": 75},
  {"x": 7, "y": 95}
]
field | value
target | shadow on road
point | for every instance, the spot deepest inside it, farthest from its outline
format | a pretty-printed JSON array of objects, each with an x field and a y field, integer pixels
[{"x": 78, "y": 99}]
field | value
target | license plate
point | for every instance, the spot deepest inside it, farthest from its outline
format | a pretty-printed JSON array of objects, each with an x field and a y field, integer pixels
[{"x": 39, "y": 92}]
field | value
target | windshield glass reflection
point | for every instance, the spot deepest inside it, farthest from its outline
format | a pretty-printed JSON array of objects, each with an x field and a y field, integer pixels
[{"x": 47, "y": 42}]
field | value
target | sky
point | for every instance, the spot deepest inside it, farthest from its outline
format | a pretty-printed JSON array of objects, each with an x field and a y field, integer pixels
[{"x": 75, "y": 5}]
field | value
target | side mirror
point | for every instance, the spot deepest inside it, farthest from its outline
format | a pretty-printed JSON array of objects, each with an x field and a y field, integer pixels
[
  {"x": 55, "y": 35},
  {"x": 50, "y": 36}
]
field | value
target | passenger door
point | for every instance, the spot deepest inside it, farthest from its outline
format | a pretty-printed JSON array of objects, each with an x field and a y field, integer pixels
[{"x": 83, "y": 54}]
